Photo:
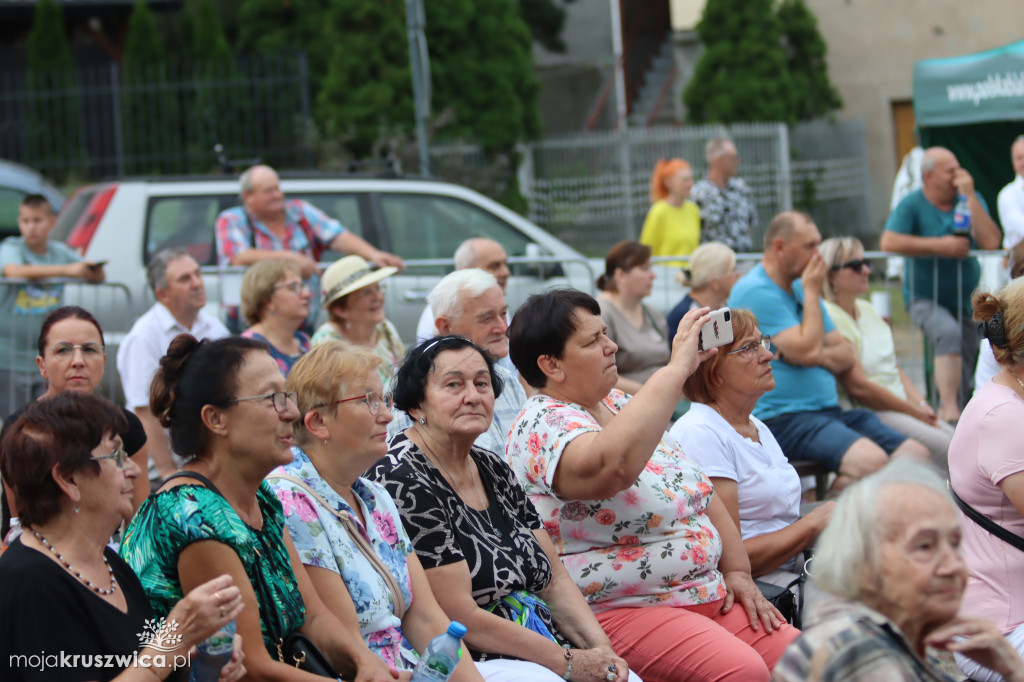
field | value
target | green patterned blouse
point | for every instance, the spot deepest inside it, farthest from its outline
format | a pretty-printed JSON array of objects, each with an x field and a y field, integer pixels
[{"x": 169, "y": 521}]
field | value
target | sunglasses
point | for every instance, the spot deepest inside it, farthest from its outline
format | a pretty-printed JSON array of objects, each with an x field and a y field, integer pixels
[{"x": 855, "y": 265}]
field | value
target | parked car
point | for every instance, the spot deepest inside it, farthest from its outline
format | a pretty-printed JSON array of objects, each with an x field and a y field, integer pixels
[
  {"x": 17, "y": 182},
  {"x": 125, "y": 222}
]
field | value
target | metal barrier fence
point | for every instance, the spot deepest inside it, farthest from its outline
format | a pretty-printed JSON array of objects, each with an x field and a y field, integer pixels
[
  {"x": 592, "y": 189},
  {"x": 103, "y": 120},
  {"x": 110, "y": 304}
]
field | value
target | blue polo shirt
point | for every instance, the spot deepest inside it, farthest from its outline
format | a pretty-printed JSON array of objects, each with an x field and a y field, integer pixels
[{"x": 797, "y": 389}]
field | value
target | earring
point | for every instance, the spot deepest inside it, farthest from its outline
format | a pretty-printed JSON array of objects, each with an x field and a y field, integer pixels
[
  {"x": 325, "y": 442},
  {"x": 423, "y": 421},
  {"x": 76, "y": 508}
]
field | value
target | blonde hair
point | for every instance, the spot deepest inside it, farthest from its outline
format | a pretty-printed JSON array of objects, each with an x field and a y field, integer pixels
[
  {"x": 708, "y": 262},
  {"x": 1008, "y": 302},
  {"x": 258, "y": 285},
  {"x": 835, "y": 251},
  {"x": 323, "y": 374},
  {"x": 663, "y": 170}
]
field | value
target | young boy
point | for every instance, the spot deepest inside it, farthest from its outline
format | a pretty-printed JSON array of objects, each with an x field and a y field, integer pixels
[{"x": 31, "y": 256}]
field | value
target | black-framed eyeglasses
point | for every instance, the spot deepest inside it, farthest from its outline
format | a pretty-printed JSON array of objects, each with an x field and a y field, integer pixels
[
  {"x": 278, "y": 398},
  {"x": 855, "y": 265},
  {"x": 750, "y": 350},
  {"x": 372, "y": 400},
  {"x": 66, "y": 351},
  {"x": 295, "y": 287},
  {"x": 119, "y": 456}
]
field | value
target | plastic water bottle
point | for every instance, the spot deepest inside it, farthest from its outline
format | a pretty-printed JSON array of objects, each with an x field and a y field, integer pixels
[
  {"x": 441, "y": 656},
  {"x": 961, "y": 215},
  {"x": 213, "y": 654}
]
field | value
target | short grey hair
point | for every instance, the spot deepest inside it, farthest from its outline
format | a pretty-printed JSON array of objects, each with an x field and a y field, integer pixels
[
  {"x": 156, "y": 270},
  {"x": 835, "y": 251},
  {"x": 709, "y": 261},
  {"x": 245, "y": 179},
  {"x": 466, "y": 254},
  {"x": 447, "y": 296},
  {"x": 714, "y": 147},
  {"x": 847, "y": 550}
]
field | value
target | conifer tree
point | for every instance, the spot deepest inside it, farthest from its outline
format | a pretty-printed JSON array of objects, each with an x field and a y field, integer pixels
[
  {"x": 742, "y": 74},
  {"x": 814, "y": 95},
  {"x": 54, "y": 140},
  {"x": 148, "y": 114}
]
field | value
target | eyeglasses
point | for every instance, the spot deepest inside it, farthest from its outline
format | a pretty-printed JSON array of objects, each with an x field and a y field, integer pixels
[
  {"x": 372, "y": 400},
  {"x": 855, "y": 265},
  {"x": 278, "y": 398},
  {"x": 65, "y": 351},
  {"x": 119, "y": 456},
  {"x": 295, "y": 287},
  {"x": 750, "y": 350}
]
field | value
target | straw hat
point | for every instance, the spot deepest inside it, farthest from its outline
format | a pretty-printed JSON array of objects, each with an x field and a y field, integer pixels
[{"x": 349, "y": 274}]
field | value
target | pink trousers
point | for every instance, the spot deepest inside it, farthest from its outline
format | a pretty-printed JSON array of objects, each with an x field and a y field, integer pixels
[{"x": 700, "y": 643}]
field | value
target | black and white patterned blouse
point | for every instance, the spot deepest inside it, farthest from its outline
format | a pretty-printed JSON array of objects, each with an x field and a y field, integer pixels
[
  {"x": 497, "y": 544},
  {"x": 727, "y": 214}
]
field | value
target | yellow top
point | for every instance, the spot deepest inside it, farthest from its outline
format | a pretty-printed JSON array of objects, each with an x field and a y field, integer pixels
[{"x": 672, "y": 231}]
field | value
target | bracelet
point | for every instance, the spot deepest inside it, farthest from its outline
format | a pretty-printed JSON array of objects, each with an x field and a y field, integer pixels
[{"x": 568, "y": 663}]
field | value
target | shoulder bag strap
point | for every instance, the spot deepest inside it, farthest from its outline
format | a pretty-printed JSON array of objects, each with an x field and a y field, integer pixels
[
  {"x": 398, "y": 607},
  {"x": 988, "y": 524}
]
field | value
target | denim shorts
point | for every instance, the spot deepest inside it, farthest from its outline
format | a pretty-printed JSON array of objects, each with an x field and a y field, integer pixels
[{"x": 825, "y": 435}]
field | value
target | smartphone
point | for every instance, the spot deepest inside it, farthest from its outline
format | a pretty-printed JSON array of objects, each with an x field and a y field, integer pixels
[
  {"x": 97, "y": 264},
  {"x": 717, "y": 331}
]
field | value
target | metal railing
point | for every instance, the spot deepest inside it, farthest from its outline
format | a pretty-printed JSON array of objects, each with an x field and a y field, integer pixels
[{"x": 110, "y": 304}]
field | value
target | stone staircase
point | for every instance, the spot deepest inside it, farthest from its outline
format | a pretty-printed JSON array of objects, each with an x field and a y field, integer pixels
[{"x": 662, "y": 70}]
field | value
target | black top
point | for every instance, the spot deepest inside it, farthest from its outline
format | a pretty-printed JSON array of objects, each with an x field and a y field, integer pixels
[
  {"x": 498, "y": 544},
  {"x": 46, "y": 610},
  {"x": 133, "y": 440}
]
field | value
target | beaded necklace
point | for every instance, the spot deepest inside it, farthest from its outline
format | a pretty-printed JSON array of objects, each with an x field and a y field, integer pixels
[{"x": 72, "y": 571}]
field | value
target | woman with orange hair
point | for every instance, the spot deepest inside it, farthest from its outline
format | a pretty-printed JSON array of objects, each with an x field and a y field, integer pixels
[{"x": 672, "y": 226}]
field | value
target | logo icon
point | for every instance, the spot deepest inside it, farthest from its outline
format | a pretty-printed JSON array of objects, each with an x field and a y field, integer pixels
[
  {"x": 159, "y": 633},
  {"x": 715, "y": 327}
]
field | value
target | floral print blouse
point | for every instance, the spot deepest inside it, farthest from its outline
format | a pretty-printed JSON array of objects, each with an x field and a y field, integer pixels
[
  {"x": 284, "y": 361},
  {"x": 389, "y": 346},
  {"x": 323, "y": 542},
  {"x": 171, "y": 520},
  {"x": 652, "y": 543}
]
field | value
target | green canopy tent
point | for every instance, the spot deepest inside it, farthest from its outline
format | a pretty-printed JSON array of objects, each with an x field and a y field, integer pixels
[{"x": 974, "y": 106}]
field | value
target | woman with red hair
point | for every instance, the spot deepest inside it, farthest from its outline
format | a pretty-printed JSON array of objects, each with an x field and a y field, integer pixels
[{"x": 672, "y": 226}]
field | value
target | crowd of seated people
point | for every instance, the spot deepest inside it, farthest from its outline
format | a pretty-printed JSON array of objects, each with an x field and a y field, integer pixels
[{"x": 590, "y": 538}]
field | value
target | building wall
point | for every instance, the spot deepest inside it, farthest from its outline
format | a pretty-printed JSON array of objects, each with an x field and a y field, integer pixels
[{"x": 872, "y": 47}]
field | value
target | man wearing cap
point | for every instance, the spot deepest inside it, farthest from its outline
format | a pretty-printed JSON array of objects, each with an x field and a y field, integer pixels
[
  {"x": 177, "y": 284},
  {"x": 354, "y": 303},
  {"x": 266, "y": 226},
  {"x": 470, "y": 303}
]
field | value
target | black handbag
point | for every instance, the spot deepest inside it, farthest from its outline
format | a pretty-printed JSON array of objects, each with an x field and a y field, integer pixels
[
  {"x": 782, "y": 599},
  {"x": 299, "y": 650}
]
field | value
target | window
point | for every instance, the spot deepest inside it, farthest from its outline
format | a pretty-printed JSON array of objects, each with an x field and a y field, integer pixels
[
  {"x": 185, "y": 223},
  {"x": 10, "y": 199},
  {"x": 423, "y": 226}
]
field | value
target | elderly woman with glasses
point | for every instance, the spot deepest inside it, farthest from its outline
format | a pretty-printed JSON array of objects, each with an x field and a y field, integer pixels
[
  {"x": 637, "y": 523},
  {"x": 891, "y": 557},
  {"x": 751, "y": 475},
  {"x": 62, "y": 589},
  {"x": 877, "y": 383},
  {"x": 346, "y": 528},
  {"x": 226, "y": 405},
  {"x": 275, "y": 301},
  {"x": 487, "y": 556}
]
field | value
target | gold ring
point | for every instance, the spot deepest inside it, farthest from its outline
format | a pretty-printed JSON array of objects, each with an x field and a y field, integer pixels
[
  {"x": 216, "y": 595},
  {"x": 222, "y": 611}
]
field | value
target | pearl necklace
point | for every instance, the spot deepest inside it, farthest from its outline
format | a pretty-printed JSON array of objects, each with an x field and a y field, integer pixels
[{"x": 82, "y": 578}]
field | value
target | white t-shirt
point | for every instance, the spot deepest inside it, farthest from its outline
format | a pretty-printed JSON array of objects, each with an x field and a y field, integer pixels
[{"x": 767, "y": 484}]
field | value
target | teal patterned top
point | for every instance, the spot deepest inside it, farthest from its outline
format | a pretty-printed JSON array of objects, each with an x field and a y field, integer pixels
[{"x": 171, "y": 520}]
